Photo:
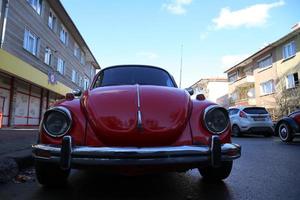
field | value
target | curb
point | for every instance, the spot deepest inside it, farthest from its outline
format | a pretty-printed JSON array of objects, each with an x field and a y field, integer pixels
[{"x": 11, "y": 164}]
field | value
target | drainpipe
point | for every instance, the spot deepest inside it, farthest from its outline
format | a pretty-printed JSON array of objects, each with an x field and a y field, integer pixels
[{"x": 3, "y": 18}]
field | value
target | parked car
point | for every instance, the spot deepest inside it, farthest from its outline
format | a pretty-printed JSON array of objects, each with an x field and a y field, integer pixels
[
  {"x": 133, "y": 119},
  {"x": 250, "y": 120},
  {"x": 288, "y": 127}
]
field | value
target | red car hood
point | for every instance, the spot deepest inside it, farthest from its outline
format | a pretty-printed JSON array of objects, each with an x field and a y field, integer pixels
[{"x": 137, "y": 115}]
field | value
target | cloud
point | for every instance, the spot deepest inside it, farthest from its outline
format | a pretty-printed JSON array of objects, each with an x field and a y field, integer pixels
[
  {"x": 255, "y": 15},
  {"x": 203, "y": 35},
  {"x": 147, "y": 55},
  {"x": 228, "y": 61},
  {"x": 177, "y": 7}
]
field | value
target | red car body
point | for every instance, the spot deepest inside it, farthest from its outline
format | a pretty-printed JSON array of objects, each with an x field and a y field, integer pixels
[{"x": 134, "y": 129}]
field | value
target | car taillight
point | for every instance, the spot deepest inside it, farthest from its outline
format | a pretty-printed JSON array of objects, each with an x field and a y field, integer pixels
[{"x": 243, "y": 114}]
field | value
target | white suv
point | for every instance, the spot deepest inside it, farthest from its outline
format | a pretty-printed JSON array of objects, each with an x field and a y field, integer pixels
[{"x": 250, "y": 120}]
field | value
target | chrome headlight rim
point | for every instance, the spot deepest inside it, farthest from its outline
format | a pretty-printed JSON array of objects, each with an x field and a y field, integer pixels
[
  {"x": 65, "y": 112},
  {"x": 209, "y": 109}
]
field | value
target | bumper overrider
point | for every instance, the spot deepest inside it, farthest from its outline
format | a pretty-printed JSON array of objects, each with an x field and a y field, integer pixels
[{"x": 68, "y": 156}]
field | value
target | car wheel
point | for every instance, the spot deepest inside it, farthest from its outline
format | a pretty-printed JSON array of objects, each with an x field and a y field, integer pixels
[
  {"x": 236, "y": 131},
  {"x": 49, "y": 174},
  {"x": 285, "y": 132},
  {"x": 215, "y": 174}
]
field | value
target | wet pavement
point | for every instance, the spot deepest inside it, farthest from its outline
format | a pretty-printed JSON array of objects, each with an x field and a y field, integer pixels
[{"x": 268, "y": 169}]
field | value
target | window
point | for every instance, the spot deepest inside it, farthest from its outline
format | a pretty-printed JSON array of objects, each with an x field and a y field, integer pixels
[
  {"x": 232, "y": 77},
  {"x": 80, "y": 81},
  {"x": 292, "y": 81},
  {"x": 31, "y": 42},
  {"x": 86, "y": 83},
  {"x": 265, "y": 62},
  {"x": 131, "y": 75},
  {"x": 82, "y": 58},
  {"x": 48, "y": 56},
  {"x": 74, "y": 76},
  {"x": 61, "y": 66},
  {"x": 76, "y": 50},
  {"x": 92, "y": 72},
  {"x": 289, "y": 50},
  {"x": 36, "y": 5},
  {"x": 267, "y": 87},
  {"x": 51, "y": 20},
  {"x": 63, "y": 35},
  {"x": 233, "y": 111},
  {"x": 255, "y": 110}
]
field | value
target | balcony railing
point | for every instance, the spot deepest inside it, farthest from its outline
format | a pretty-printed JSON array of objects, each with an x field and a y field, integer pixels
[
  {"x": 243, "y": 81},
  {"x": 244, "y": 102}
]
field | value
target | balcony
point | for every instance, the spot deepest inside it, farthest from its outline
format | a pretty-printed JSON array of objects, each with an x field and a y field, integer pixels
[
  {"x": 245, "y": 102},
  {"x": 243, "y": 81}
]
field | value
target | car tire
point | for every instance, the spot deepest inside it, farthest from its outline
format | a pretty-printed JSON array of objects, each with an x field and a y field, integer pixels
[
  {"x": 49, "y": 174},
  {"x": 285, "y": 132},
  {"x": 235, "y": 131},
  {"x": 216, "y": 174}
]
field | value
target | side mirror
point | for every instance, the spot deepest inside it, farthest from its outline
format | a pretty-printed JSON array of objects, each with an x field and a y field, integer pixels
[
  {"x": 77, "y": 93},
  {"x": 190, "y": 91}
]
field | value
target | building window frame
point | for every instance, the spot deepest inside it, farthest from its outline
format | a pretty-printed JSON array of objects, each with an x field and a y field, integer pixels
[
  {"x": 233, "y": 77},
  {"x": 36, "y": 5},
  {"x": 61, "y": 66},
  {"x": 48, "y": 56},
  {"x": 267, "y": 87},
  {"x": 63, "y": 35},
  {"x": 289, "y": 50},
  {"x": 76, "y": 51},
  {"x": 52, "y": 20},
  {"x": 74, "y": 76},
  {"x": 31, "y": 42},
  {"x": 292, "y": 80},
  {"x": 82, "y": 58},
  {"x": 80, "y": 81},
  {"x": 86, "y": 83},
  {"x": 265, "y": 62}
]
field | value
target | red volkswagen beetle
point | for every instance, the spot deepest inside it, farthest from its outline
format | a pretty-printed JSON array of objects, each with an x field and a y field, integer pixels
[{"x": 133, "y": 120}]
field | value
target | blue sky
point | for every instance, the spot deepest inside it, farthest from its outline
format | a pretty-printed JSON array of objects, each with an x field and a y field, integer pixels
[{"x": 215, "y": 34}]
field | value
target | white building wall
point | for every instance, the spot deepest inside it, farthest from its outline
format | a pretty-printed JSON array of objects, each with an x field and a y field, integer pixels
[{"x": 216, "y": 90}]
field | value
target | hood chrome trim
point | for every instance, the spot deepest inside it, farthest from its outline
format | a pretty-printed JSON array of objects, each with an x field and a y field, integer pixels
[{"x": 139, "y": 113}]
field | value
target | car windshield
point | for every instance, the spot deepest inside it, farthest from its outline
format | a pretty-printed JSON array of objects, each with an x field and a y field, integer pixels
[
  {"x": 255, "y": 110},
  {"x": 131, "y": 75}
]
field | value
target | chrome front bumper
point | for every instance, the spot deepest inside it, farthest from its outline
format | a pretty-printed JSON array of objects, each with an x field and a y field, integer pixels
[{"x": 67, "y": 155}]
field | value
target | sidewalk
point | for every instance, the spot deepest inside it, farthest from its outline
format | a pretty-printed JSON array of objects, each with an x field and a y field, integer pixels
[{"x": 15, "y": 151}]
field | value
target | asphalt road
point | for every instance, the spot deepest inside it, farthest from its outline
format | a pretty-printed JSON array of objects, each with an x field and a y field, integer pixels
[{"x": 268, "y": 169}]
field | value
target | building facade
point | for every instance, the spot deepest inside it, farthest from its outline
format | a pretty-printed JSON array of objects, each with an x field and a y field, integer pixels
[
  {"x": 42, "y": 57},
  {"x": 269, "y": 77},
  {"x": 212, "y": 88}
]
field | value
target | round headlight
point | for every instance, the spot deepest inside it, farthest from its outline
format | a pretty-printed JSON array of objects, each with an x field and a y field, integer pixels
[
  {"x": 216, "y": 119},
  {"x": 57, "y": 121}
]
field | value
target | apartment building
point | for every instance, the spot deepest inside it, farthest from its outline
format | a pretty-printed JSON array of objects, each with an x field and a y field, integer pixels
[
  {"x": 212, "y": 88},
  {"x": 269, "y": 77},
  {"x": 42, "y": 57}
]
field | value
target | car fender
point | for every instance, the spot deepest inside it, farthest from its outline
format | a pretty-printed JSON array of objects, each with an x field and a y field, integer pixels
[{"x": 291, "y": 122}]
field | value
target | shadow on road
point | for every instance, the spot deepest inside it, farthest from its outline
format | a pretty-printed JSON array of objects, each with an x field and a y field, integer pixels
[{"x": 96, "y": 185}]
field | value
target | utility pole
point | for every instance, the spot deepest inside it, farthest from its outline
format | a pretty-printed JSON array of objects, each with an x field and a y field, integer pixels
[{"x": 180, "y": 74}]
